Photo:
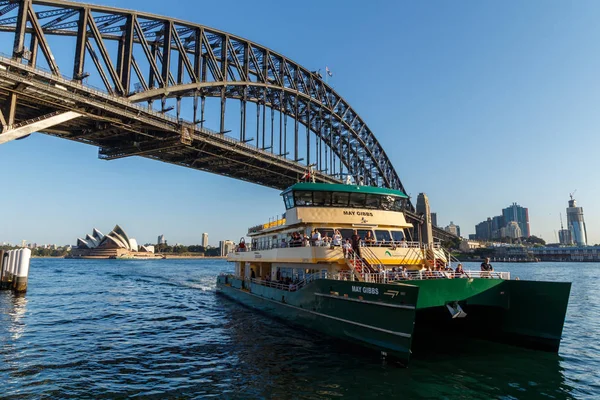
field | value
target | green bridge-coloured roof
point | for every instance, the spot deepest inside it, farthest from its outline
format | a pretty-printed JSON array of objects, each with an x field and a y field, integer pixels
[{"x": 336, "y": 187}]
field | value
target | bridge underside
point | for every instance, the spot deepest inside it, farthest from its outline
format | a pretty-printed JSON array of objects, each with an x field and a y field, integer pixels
[{"x": 122, "y": 129}]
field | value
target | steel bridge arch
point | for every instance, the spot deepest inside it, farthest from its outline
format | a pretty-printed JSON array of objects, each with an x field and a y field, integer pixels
[{"x": 175, "y": 59}]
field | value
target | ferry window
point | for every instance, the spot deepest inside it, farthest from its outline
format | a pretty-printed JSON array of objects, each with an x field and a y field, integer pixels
[
  {"x": 387, "y": 202},
  {"x": 358, "y": 199},
  {"x": 288, "y": 200},
  {"x": 398, "y": 204},
  {"x": 303, "y": 198},
  {"x": 363, "y": 233},
  {"x": 322, "y": 198},
  {"x": 346, "y": 233},
  {"x": 372, "y": 201},
  {"x": 381, "y": 235},
  {"x": 340, "y": 199},
  {"x": 397, "y": 235},
  {"x": 324, "y": 231}
]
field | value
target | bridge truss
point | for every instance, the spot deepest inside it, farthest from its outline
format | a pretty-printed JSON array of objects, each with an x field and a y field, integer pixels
[{"x": 164, "y": 82}]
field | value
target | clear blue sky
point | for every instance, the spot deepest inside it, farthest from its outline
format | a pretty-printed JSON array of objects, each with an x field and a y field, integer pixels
[{"x": 478, "y": 104}]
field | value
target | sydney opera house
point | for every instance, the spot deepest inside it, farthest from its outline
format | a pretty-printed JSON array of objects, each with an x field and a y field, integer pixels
[{"x": 116, "y": 244}]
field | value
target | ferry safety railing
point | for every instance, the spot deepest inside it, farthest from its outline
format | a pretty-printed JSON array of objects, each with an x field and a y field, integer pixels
[
  {"x": 290, "y": 287},
  {"x": 388, "y": 276},
  {"x": 274, "y": 244}
]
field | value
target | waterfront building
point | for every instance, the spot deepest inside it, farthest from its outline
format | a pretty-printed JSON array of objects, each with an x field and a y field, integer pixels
[
  {"x": 518, "y": 214},
  {"x": 567, "y": 253},
  {"x": 576, "y": 223},
  {"x": 226, "y": 247},
  {"x": 434, "y": 219},
  {"x": 116, "y": 244},
  {"x": 161, "y": 240},
  {"x": 205, "y": 240},
  {"x": 470, "y": 245}
]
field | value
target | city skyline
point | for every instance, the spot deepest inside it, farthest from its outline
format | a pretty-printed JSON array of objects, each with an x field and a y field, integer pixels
[{"x": 483, "y": 82}]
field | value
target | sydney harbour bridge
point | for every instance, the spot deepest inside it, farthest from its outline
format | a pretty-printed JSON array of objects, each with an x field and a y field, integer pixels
[{"x": 178, "y": 92}]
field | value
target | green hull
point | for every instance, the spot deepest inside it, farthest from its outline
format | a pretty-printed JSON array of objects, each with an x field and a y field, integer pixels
[{"x": 390, "y": 317}]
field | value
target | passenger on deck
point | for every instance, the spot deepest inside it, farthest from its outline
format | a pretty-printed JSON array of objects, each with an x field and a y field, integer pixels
[
  {"x": 242, "y": 245},
  {"x": 252, "y": 274},
  {"x": 403, "y": 243},
  {"x": 283, "y": 243},
  {"x": 326, "y": 240},
  {"x": 347, "y": 247},
  {"x": 355, "y": 241},
  {"x": 316, "y": 238},
  {"x": 369, "y": 239},
  {"x": 459, "y": 273},
  {"x": 486, "y": 268},
  {"x": 306, "y": 241},
  {"x": 337, "y": 238},
  {"x": 405, "y": 273}
]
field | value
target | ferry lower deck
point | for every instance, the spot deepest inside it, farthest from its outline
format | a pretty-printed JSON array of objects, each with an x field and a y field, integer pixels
[{"x": 388, "y": 315}]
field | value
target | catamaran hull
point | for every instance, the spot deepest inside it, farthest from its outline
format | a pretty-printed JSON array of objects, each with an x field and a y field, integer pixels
[
  {"x": 387, "y": 317},
  {"x": 354, "y": 321}
]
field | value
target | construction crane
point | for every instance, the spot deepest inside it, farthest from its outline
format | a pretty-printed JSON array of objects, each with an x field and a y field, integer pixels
[{"x": 572, "y": 194}]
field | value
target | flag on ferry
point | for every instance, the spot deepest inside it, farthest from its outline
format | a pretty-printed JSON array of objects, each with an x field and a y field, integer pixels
[{"x": 328, "y": 71}]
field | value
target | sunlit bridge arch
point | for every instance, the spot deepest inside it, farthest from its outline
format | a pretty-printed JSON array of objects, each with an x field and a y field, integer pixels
[{"x": 186, "y": 76}]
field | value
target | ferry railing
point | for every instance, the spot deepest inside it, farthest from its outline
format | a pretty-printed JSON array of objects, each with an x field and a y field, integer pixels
[
  {"x": 388, "y": 276},
  {"x": 274, "y": 244},
  {"x": 290, "y": 287}
]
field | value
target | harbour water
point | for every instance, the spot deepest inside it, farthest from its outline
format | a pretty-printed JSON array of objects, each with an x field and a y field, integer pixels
[{"x": 156, "y": 329}]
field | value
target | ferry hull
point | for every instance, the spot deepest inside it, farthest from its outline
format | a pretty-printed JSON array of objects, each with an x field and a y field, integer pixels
[
  {"x": 398, "y": 318},
  {"x": 376, "y": 326}
]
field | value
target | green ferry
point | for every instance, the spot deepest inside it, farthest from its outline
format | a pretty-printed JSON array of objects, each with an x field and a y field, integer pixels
[{"x": 385, "y": 291}]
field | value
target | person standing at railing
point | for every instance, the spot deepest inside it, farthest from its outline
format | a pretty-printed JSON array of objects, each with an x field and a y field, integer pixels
[
  {"x": 355, "y": 241},
  {"x": 486, "y": 268},
  {"x": 347, "y": 246},
  {"x": 369, "y": 239},
  {"x": 316, "y": 238},
  {"x": 459, "y": 272},
  {"x": 337, "y": 238}
]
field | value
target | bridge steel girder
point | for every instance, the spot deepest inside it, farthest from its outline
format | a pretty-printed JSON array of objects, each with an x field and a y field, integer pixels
[
  {"x": 41, "y": 123},
  {"x": 174, "y": 60}
]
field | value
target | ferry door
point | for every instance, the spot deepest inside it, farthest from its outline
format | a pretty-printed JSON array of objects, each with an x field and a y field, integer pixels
[{"x": 248, "y": 271}]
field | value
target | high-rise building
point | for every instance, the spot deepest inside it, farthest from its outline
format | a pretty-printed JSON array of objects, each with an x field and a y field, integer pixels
[
  {"x": 564, "y": 237},
  {"x": 518, "y": 214},
  {"x": 434, "y": 219},
  {"x": 226, "y": 247},
  {"x": 576, "y": 224},
  {"x": 205, "y": 240},
  {"x": 483, "y": 230},
  {"x": 454, "y": 229},
  {"x": 497, "y": 223},
  {"x": 161, "y": 239}
]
